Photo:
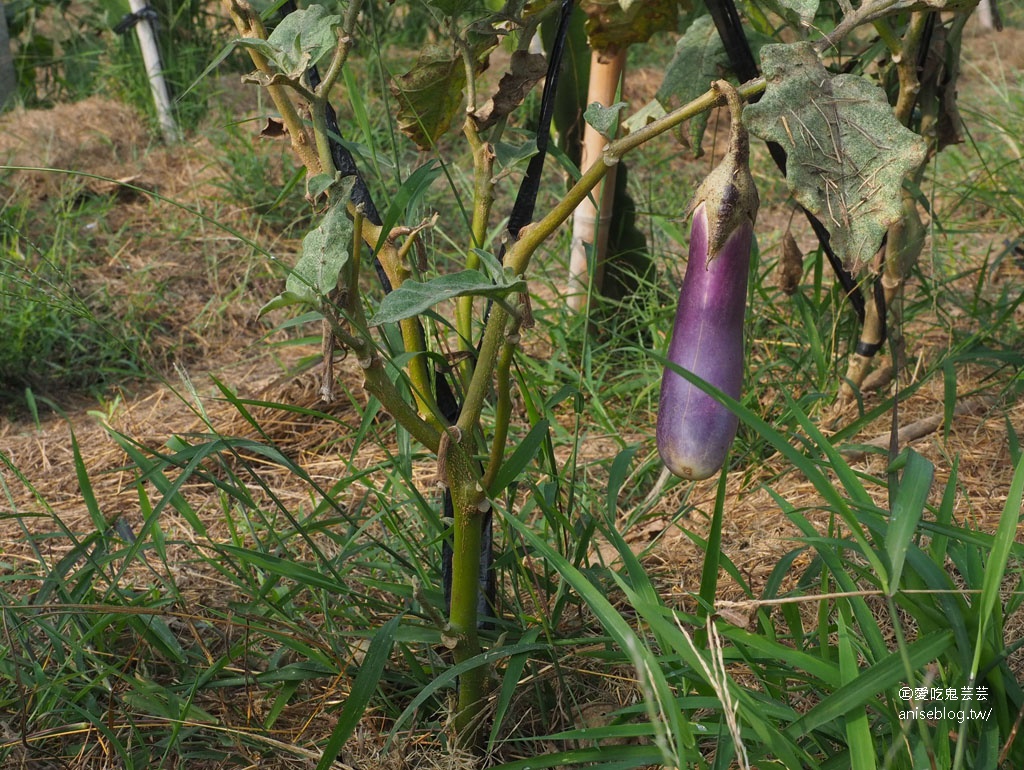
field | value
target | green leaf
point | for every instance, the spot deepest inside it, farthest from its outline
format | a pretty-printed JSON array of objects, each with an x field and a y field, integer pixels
[
  {"x": 509, "y": 155},
  {"x": 604, "y": 119},
  {"x": 99, "y": 522},
  {"x": 995, "y": 567},
  {"x": 756, "y": 647},
  {"x": 325, "y": 251},
  {"x": 907, "y": 507},
  {"x": 159, "y": 635},
  {"x": 617, "y": 475},
  {"x": 848, "y": 155},
  {"x": 413, "y": 297},
  {"x": 303, "y": 38},
  {"x": 510, "y": 685},
  {"x": 871, "y": 682},
  {"x": 284, "y": 299},
  {"x": 451, "y": 675},
  {"x": 286, "y": 568},
  {"x": 407, "y": 196},
  {"x": 658, "y": 696},
  {"x": 858, "y": 730},
  {"x": 318, "y": 184},
  {"x": 454, "y": 7},
  {"x": 804, "y": 9}
]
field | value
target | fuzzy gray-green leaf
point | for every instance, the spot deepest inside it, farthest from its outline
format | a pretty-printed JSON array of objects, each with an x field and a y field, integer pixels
[
  {"x": 848, "y": 155},
  {"x": 804, "y": 9},
  {"x": 413, "y": 297},
  {"x": 303, "y": 38},
  {"x": 699, "y": 59},
  {"x": 325, "y": 251},
  {"x": 605, "y": 120}
]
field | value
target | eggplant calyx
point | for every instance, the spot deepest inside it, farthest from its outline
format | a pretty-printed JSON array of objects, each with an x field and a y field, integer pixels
[{"x": 728, "y": 193}]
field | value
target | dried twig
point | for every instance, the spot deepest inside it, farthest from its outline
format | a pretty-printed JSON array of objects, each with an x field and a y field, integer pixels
[{"x": 919, "y": 428}]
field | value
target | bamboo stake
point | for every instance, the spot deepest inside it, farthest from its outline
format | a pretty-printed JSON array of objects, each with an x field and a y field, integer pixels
[
  {"x": 154, "y": 70},
  {"x": 588, "y": 227}
]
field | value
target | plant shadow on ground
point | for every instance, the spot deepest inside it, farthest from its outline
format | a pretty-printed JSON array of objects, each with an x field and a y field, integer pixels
[{"x": 201, "y": 571}]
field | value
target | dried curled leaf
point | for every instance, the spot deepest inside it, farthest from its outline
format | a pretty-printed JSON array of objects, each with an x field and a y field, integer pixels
[
  {"x": 791, "y": 266},
  {"x": 524, "y": 70},
  {"x": 848, "y": 155},
  {"x": 613, "y": 25},
  {"x": 429, "y": 95}
]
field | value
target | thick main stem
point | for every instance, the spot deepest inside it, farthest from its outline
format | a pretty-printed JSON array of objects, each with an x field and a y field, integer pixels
[{"x": 469, "y": 506}]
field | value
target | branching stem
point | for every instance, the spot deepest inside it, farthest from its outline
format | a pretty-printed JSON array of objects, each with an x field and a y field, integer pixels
[{"x": 249, "y": 24}]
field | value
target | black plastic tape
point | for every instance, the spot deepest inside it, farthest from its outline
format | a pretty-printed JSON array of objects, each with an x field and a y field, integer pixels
[
  {"x": 129, "y": 20},
  {"x": 867, "y": 349},
  {"x": 526, "y": 199}
]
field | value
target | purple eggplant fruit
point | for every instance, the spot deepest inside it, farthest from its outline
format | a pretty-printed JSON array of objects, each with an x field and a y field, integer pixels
[{"x": 694, "y": 430}]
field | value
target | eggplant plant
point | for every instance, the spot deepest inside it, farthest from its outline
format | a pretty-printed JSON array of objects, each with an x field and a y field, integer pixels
[{"x": 849, "y": 152}]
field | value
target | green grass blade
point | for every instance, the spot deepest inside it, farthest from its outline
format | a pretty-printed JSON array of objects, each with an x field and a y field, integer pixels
[
  {"x": 85, "y": 487},
  {"x": 407, "y": 196},
  {"x": 171, "y": 491},
  {"x": 713, "y": 550},
  {"x": 286, "y": 568},
  {"x": 948, "y": 398},
  {"x": 907, "y": 507},
  {"x": 944, "y": 516},
  {"x": 509, "y": 683},
  {"x": 870, "y": 683},
  {"x": 995, "y": 568},
  {"x": 450, "y": 676},
  {"x": 363, "y": 688},
  {"x": 159, "y": 635},
  {"x": 858, "y": 730},
  {"x": 598, "y": 758},
  {"x": 641, "y": 657},
  {"x": 521, "y": 457},
  {"x": 616, "y": 476},
  {"x": 757, "y": 647},
  {"x": 1014, "y": 441}
]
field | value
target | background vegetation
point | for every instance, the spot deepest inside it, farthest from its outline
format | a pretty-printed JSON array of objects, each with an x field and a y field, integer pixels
[{"x": 201, "y": 565}]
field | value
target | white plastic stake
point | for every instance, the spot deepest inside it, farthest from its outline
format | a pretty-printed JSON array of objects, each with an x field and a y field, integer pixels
[{"x": 151, "y": 56}]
